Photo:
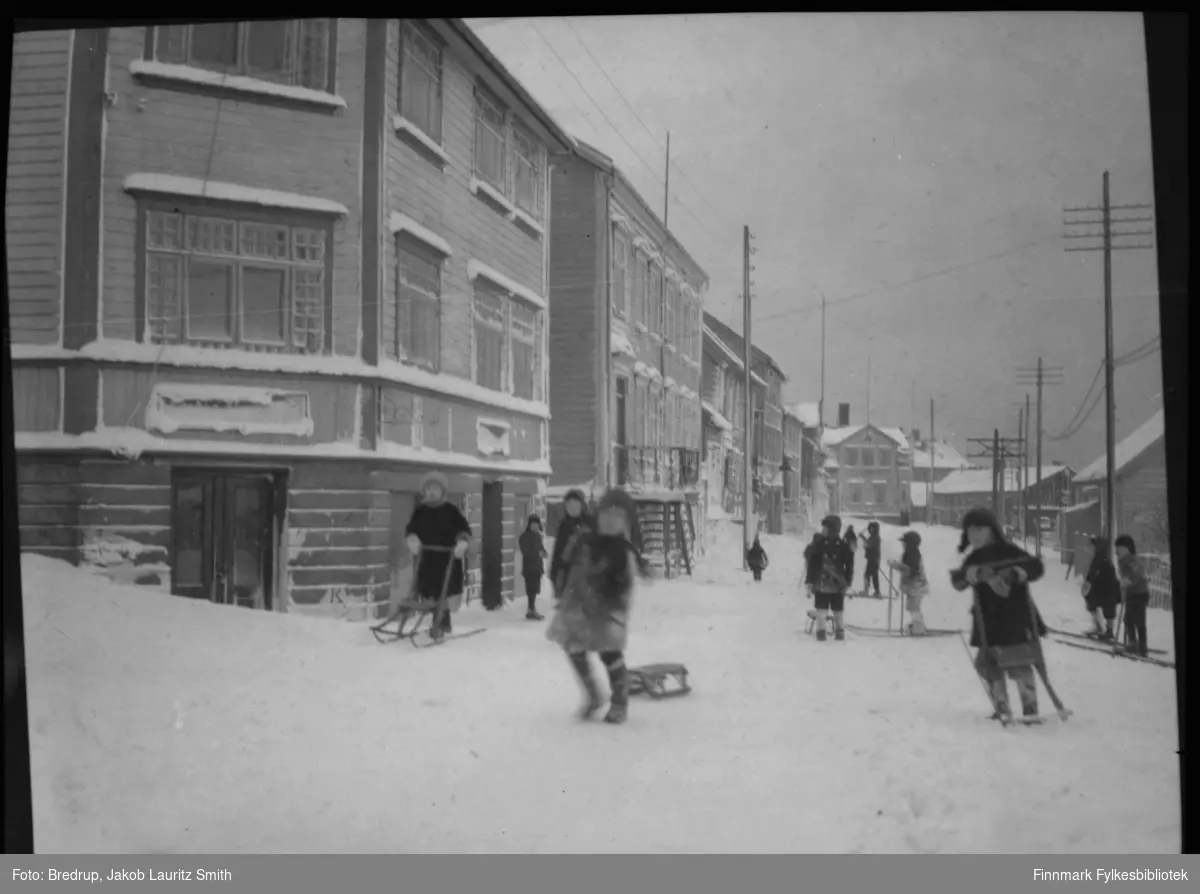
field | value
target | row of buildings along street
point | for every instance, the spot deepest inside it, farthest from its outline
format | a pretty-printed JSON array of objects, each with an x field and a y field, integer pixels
[{"x": 256, "y": 294}]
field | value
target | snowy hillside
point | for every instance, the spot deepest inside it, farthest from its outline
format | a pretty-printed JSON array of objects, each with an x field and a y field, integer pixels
[{"x": 166, "y": 725}]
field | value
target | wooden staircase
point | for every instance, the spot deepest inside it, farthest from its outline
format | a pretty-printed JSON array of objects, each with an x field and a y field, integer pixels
[{"x": 668, "y": 535}]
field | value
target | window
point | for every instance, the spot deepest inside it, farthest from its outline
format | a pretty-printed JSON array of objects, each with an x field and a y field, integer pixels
[
  {"x": 620, "y": 277},
  {"x": 421, "y": 79},
  {"x": 880, "y": 493},
  {"x": 868, "y": 458},
  {"x": 418, "y": 303},
  {"x": 671, "y": 302},
  {"x": 654, "y": 276},
  {"x": 643, "y": 412},
  {"x": 508, "y": 342},
  {"x": 856, "y": 494},
  {"x": 638, "y": 311},
  {"x": 491, "y": 143},
  {"x": 527, "y": 172},
  {"x": 235, "y": 280},
  {"x": 295, "y": 52},
  {"x": 851, "y": 457},
  {"x": 883, "y": 458}
]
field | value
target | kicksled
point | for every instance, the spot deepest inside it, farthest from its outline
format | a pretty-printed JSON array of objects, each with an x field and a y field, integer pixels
[
  {"x": 410, "y": 615},
  {"x": 659, "y": 681}
]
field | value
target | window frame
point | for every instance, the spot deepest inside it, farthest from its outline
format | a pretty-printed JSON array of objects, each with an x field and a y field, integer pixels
[
  {"x": 637, "y": 312},
  {"x": 418, "y": 27},
  {"x": 850, "y": 457},
  {"x": 153, "y": 41},
  {"x": 877, "y": 486},
  {"x": 855, "y": 488},
  {"x": 865, "y": 454},
  {"x": 619, "y": 267},
  {"x": 508, "y": 359},
  {"x": 517, "y": 130},
  {"x": 490, "y": 98},
  {"x": 241, "y": 213},
  {"x": 405, "y": 242}
]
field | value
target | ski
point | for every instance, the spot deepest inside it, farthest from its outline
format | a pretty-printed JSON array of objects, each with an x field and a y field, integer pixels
[
  {"x": 879, "y": 631},
  {"x": 1120, "y": 652},
  {"x": 1095, "y": 638}
]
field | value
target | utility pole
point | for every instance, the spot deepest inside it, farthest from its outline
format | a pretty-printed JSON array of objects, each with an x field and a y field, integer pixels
[
  {"x": 1020, "y": 482},
  {"x": 997, "y": 449},
  {"x": 821, "y": 405},
  {"x": 1107, "y": 245},
  {"x": 748, "y": 508},
  {"x": 929, "y": 492},
  {"x": 1025, "y": 474},
  {"x": 667, "y": 184},
  {"x": 1038, "y": 378}
]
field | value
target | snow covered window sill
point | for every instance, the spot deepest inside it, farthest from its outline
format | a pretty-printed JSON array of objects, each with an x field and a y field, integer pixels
[
  {"x": 670, "y": 348},
  {"x": 191, "y": 76},
  {"x": 194, "y": 187},
  {"x": 401, "y": 223},
  {"x": 491, "y": 437},
  {"x": 526, "y": 220},
  {"x": 640, "y": 327},
  {"x": 478, "y": 268},
  {"x": 484, "y": 189},
  {"x": 406, "y": 128}
]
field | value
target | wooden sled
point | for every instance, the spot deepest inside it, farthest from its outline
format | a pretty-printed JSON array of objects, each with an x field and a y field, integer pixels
[
  {"x": 416, "y": 611},
  {"x": 652, "y": 680}
]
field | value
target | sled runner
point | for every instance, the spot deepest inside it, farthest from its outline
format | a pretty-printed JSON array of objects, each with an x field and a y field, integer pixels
[
  {"x": 417, "y": 610},
  {"x": 652, "y": 680}
]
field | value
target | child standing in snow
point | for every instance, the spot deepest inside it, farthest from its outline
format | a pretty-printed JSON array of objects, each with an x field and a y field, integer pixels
[
  {"x": 999, "y": 573},
  {"x": 829, "y": 569},
  {"x": 1102, "y": 589},
  {"x": 913, "y": 583},
  {"x": 851, "y": 541},
  {"x": 1137, "y": 593},
  {"x": 756, "y": 558},
  {"x": 533, "y": 563},
  {"x": 439, "y": 524},
  {"x": 593, "y": 612},
  {"x": 576, "y": 521},
  {"x": 872, "y": 552}
]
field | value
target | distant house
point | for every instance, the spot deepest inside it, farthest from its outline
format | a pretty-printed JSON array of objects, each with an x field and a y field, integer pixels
[
  {"x": 807, "y": 476},
  {"x": 1141, "y": 486},
  {"x": 870, "y": 469},
  {"x": 938, "y": 456},
  {"x": 965, "y": 489}
]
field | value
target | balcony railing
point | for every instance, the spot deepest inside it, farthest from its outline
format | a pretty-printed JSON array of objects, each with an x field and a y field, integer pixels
[{"x": 671, "y": 468}]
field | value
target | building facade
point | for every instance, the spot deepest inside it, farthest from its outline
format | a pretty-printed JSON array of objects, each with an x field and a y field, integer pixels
[
  {"x": 724, "y": 415},
  {"x": 626, "y": 351},
  {"x": 301, "y": 263},
  {"x": 870, "y": 470},
  {"x": 965, "y": 489}
]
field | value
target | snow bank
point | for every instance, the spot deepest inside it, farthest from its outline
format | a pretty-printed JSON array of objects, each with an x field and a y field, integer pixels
[{"x": 167, "y": 725}]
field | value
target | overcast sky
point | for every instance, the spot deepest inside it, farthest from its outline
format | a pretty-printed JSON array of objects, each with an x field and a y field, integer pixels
[{"x": 912, "y": 167}]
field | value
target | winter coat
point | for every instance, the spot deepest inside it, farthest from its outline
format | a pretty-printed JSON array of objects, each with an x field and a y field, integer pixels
[
  {"x": 912, "y": 574},
  {"x": 593, "y": 612},
  {"x": 1104, "y": 589},
  {"x": 851, "y": 543},
  {"x": 756, "y": 556},
  {"x": 441, "y": 525},
  {"x": 1133, "y": 575},
  {"x": 873, "y": 549},
  {"x": 1007, "y": 620},
  {"x": 829, "y": 566},
  {"x": 533, "y": 553},
  {"x": 568, "y": 529}
]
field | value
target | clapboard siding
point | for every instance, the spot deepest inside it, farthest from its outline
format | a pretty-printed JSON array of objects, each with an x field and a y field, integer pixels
[
  {"x": 34, "y": 197},
  {"x": 1142, "y": 500},
  {"x": 36, "y": 392}
]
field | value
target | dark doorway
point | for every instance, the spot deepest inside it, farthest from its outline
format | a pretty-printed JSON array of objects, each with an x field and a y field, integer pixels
[
  {"x": 224, "y": 533},
  {"x": 619, "y": 432},
  {"x": 491, "y": 563}
]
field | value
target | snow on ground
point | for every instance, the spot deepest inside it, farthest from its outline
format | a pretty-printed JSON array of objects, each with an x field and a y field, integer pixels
[{"x": 165, "y": 725}]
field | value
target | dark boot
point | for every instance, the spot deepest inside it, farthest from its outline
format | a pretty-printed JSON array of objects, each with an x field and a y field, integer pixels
[
  {"x": 583, "y": 670},
  {"x": 618, "y": 678}
]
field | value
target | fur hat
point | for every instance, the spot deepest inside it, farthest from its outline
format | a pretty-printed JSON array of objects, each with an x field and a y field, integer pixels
[
  {"x": 534, "y": 519},
  {"x": 575, "y": 494},
  {"x": 1126, "y": 541},
  {"x": 435, "y": 477},
  {"x": 873, "y": 526},
  {"x": 980, "y": 517},
  {"x": 911, "y": 537},
  {"x": 618, "y": 498},
  {"x": 833, "y": 523}
]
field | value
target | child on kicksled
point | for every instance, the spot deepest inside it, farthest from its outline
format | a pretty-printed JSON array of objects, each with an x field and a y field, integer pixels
[
  {"x": 756, "y": 558},
  {"x": 913, "y": 583},
  {"x": 1102, "y": 590},
  {"x": 439, "y": 524},
  {"x": 601, "y": 568},
  {"x": 872, "y": 553},
  {"x": 1137, "y": 594},
  {"x": 1004, "y": 616},
  {"x": 829, "y": 569}
]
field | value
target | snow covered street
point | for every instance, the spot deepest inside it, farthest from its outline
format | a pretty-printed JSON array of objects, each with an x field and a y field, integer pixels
[{"x": 166, "y": 725}]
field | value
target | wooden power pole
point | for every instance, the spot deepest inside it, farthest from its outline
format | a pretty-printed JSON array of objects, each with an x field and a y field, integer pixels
[
  {"x": 748, "y": 509},
  {"x": 1039, "y": 377}
]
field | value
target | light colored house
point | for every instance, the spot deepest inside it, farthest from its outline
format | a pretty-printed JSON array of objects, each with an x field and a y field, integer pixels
[
  {"x": 965, "y": 489},
  {"x": 870, "y": 470},
  {"x": 938, "y": 456}
]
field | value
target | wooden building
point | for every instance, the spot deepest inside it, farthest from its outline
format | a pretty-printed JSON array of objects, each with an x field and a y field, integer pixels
[
  {"x": 870, "y": 469},
  {"x": 269, "y": 274}
]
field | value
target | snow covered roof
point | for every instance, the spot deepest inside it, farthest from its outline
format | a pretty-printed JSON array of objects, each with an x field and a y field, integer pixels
[
  {"x": 918, "y": 492},
  {"x": 944, "y": 457},
  {"x": 1150, "y": 433},
  {"x": 809, "y": 414},
  {"x": 730, "y": 355},
  {"x": 715, "y": 417},
  {"x": 735, "y": 341},
  {"x": 979, "y": 481},
  {"x": 832, "y": 437}
]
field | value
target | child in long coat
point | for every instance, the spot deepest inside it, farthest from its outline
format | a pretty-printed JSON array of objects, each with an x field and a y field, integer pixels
[
  {"x": 437, "y": 523},
  {"x": 1102, "y": 589},
  {"x": 828, "y": 573},
  {"x": 872, "y": 552},
  {"x": 851, "y": 540},
  {"x": 913, "y": 582},
  {"x": 999, "y": 573},
  {"x": 574, "y": 522},
  {"x": 756, "y": 558},
  {"x": 1137, "y": 593},
  {"x": 533, "y": 563},
  {"x": 592, "y": 615}
]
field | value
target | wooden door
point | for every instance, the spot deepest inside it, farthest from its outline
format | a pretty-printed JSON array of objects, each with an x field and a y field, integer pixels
[{"x": 491, "y": 563}]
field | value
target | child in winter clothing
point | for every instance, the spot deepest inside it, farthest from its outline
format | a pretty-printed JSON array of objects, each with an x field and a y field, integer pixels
[
  {"x": 913, "y": 583},
  {"x": 1102, "y": 589},
  {"x": 576, "y": 521},
  {"x": 829, "y": 568},
  {"x": 438, "y": 523},
  {"x": 872, "y": 554},
  {"x": 593, "y": 612},
  {"x": 851, "y": 540},
  {"x": 1137, "y": 593},
  {"x": 533, "y": 563},
  {"x": 756, "y": 558},
  {"x": 1004, "y": 614}
]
